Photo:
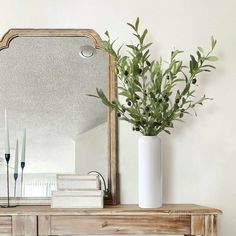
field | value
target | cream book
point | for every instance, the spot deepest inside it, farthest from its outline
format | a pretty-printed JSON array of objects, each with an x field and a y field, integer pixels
[
  {"x": 78, "y": 182},
  {"x": 77, "y": 199}
]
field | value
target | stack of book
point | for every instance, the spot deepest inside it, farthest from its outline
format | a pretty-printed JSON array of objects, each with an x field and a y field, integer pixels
[{"x": 76, "y": 191}]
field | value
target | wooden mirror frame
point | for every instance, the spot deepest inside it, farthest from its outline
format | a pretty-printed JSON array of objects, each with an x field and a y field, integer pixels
[{"x": 112, "y": 184}]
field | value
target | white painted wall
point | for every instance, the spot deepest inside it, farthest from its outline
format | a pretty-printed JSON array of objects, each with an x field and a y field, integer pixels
[{"x": 200, "y": 155}]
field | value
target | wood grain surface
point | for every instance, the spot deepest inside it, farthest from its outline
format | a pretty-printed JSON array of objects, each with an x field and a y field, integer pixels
[
  {"x": 187, "y": 219},
  {"x": 167, "y": 209},
  {"x": 106, "y": 225},
  {"x": 5, "y": 225}
]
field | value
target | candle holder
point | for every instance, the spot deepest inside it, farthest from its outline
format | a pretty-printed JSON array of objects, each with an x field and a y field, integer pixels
[
  {"x": 7, "y": 157},
  {"x": 15, "y": 183},
  {"x": 22, "y": 164}
]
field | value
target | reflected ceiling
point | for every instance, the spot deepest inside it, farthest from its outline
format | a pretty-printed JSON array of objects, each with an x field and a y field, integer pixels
[{"x": 43, "y": 85}]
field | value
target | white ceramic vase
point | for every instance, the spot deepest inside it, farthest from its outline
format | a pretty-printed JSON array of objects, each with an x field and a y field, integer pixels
[{"x": 150, "y": 172}]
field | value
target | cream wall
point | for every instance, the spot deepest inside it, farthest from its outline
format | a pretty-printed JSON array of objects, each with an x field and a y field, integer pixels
[{"x": 200, "y": 155}]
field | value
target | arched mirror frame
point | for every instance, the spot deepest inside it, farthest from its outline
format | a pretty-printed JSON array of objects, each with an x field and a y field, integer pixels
[{"x": 112, "y": 197}]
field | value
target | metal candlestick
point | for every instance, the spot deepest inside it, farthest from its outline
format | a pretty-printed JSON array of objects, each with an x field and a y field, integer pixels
[
  {"x": 7, "y": 157},
  {"x": 22, "y": 164},
  {"x": 15, "y": 178}
]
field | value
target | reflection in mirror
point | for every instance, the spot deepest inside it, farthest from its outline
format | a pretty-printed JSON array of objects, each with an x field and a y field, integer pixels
[{"x": 44, "y": 82}]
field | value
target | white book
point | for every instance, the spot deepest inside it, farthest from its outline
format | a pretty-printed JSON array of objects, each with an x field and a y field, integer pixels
[
  {"x": 77, "y": 199},
  {"x": 78, "y": 182}
]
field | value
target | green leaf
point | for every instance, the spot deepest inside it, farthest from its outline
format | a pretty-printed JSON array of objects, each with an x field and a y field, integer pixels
[
  {"x": 167, "y": 131},
  {"x": 125, "y": 94},
  {"x": 146, "y": 55},
  {"x": 137, "y": 24},
  {"x": 213, "y": 42},
  {"x": 191, "y": 67},
  {"x": 92, "y": 95},
  {"x": 103, "y": 98},
  {"x": 190, "y": 94},
  {"x": 211, "y": 66},
  {"x": 179, "y": 120},
  {"x": 199, "y": 55},
  {"x": 212, "y": 58},
  {"x": 175, "y": 53},
  {"x": 132, "y": 47},
  {"x": 137, "y": 36},
  {"x": 107, "y": 34},
  {"x": 146, "y": 46},
  {"x": 138, "y": 84},
  {"x": 119, "y": 49},
  {"x": 143, "y": 35},
  {"x": 132, "y": 26},
  {"x": 178, "y": 80},
  {"x": 177, "y": 96},
  {"x": 186, "y": 89},
  {"x": 201, "y": 50},
  {"x": 194, "y": 62}
]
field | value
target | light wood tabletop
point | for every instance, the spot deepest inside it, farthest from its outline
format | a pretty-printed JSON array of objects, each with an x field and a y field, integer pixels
[
  {"x": 178, "y": 219},
  {"x": 166, "y": 209}
]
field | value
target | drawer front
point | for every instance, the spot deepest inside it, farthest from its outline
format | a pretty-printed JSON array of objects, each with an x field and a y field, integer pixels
[
  {"x": 76, "y": 225},
  {"x": 24, "y": 225},
  {"x": 5, "y": 225}
]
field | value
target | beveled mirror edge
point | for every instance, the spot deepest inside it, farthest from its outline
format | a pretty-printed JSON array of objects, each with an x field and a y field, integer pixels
[{"x": 113, "y": 175}]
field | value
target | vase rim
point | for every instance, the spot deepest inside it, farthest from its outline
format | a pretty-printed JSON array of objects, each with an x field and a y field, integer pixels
[{"x": 150, "y": 137}]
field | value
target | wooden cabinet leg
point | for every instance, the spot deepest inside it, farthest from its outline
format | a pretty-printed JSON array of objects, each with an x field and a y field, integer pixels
[
  {"x": 197, "y": 225},
  {"x": 203, "y": 225},
  {"x": 210, "y": 225}
]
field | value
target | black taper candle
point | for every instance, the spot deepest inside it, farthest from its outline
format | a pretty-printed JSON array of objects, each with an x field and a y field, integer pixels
[
  {"x": 15, "y": 178},
  {"x": 22, "y": 164}
]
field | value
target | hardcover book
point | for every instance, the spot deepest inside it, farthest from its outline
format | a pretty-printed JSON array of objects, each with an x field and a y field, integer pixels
[
  {"x": 78, "y": 182},
  {"x": 77, "y": 199}
]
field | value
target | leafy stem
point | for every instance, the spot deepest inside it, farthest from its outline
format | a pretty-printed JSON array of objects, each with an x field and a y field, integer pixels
[{"x": 156, "y": 95}]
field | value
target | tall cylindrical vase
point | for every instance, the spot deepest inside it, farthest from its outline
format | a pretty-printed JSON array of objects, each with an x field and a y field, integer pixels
[{"x": 150, "y": 172}]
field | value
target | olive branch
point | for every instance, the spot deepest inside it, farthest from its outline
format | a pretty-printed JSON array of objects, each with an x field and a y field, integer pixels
[{"x": 156, "y": 93}]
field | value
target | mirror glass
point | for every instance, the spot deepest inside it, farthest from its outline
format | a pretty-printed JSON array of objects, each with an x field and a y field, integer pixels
[{"x": 44, "y": 82}]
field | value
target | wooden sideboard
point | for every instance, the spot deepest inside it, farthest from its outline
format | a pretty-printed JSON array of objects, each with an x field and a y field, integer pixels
[{"x": 178, "y": 219}]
